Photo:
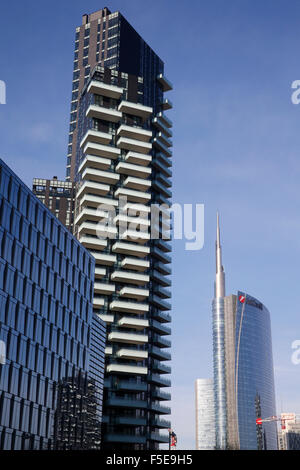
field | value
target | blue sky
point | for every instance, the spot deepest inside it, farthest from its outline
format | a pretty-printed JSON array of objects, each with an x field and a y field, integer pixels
[{"x": 236, "y": 149}]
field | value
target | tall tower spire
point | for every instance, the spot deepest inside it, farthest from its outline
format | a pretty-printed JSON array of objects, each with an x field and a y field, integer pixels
[{"x": 220, "y": 274}]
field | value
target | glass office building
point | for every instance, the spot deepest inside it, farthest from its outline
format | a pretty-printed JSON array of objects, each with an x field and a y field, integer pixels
[
  {"x": 205, "y": 415},
  {"x": 52, "y": 349},
  {"x": 243, "y": 368},
  {"x": 254, "y": 374}
]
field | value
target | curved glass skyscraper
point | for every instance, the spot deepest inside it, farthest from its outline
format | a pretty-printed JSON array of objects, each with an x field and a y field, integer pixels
[
  {"x": 243, "y": 368},
  {"x": 254, "y": 377}
]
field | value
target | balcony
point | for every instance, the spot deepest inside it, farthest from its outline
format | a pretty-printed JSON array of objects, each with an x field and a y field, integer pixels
[
  {"x": 162, "y": 190},
  {"x": 163, "y": 268},
  {"x": 162, "y": 292},
  {"x": 137, "y": 183},
  {"x": 100, "y": 112},
  {"x": 107, "y": 319},
  {"x": 161, "y": 316},
  {"x": 131, "y": 385},
  {"x": 164, "y": 119},
  {"x": 134, "y": 293},
  {"x": 161, "y": 342},
  {"x": 129, "y": 338},
  {"x": 90, "y": 215},
  {"x": 160, "y": 328},
  {"x": 159, "y": 124},
  {"x": 133, "y": 170},
  {"x": 134, "y": 133},
  {"x": 161, "y": 409},
  {"x": 161, "y": 368},
  {"x": 95, "y": 201},
  {"x": 125, "y": 220},
  {"x": 97, "y": 137},
  {"x": 159, "y": 380},
  {"x": 155, "y": 436},
  {"x": 93, "y": 243},
  {"x": 163, "y": 245},
  {"x": 161, "y": 147},
  {"x": 102, "y": 258},
  {"x": 126, "y": 403},
  {"x": 161, "y": 255},
  {"x": 126, "y": 369},
  {"x": 132, "y": 195},
  {"x": 132, "y": 322},
  {"x": 134, "y": 145},
  {"x": 129, "y": 307},
  {"x": 138, "y": 236},
  {"x": 130, "y": 421},
  {"x": 125, "y": 438},
  {"x": 132, "y": 209},
  {"x": 138, "y": 158},
  {"x": 160, "y": 354},
  {"x": 99, "y": 88},
  {"x": 103, "y": 288},
  {"x": 160, "y": 423},
  {"x": 166, "y": 104},
  {"x": 98, "y": 302},
  {"x": 97, "y": 189},
  {"x": 130, "y": 277},
  {"x": 92, "y": 228},
  {"x": 100, "y": 176},
  {"x": 99, "y": 163},
  {"x": 132, "y": 354},
  {"x": 162, "y": 168},
  {"x": 164, "y": 139},
  {"x": 164, "y": 82},
  {"x": 159, "y": 303},
  {"x": 99, "y": 229},
  {"x": 136, "y": 109},
  {"x": 102, "y": 150},
  {"x": 131, "y": 249},
  {"x": 164, "y": 281},
  {"x": 162, "y": 179},
  {"x": 135, "y": 264},
  {"x": 164, "y": 159},
  {"x": 160, "y": 395},
  {"x": 99, "y": 272}
]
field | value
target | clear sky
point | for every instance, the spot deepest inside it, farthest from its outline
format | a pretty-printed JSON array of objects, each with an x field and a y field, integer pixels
[{"x": 236, "y": 149}]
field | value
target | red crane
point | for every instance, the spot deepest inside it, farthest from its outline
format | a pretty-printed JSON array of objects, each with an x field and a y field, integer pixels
[{"x": 292, "y": 416}]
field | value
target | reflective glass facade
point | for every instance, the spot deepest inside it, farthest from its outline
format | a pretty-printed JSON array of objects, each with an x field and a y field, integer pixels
[
  {"x": 205, "y": 415},
  {"x": 243, "y": 374},
  {"x": 254, "y": 375},
  {"x": 219, "y": 372},
  {"x": 50, "y": 381}
]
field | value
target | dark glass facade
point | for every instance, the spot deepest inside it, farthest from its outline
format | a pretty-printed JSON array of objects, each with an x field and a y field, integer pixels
[
  {"x": 51, "y": 376},
  {"x": 255, "y": 390}
]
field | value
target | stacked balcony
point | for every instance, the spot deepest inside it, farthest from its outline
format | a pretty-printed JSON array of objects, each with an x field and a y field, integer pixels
[{"x": 129, "y": 161}]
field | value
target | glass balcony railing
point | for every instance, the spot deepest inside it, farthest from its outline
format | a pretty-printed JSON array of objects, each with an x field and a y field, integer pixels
[
  {"x": 159, "y": 380},
  {"x": 159, "y": 353}
]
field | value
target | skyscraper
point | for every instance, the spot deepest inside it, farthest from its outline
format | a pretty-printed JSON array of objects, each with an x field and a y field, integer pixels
[
  {"x": 106, "y": 39},
  {"x": 52, "y": 345},
  {"x": 120, "y": 158},
  {"x": 205, "y": 415},
  {"x": 58, "y": 196},
  {"x": 243, "y": 368}
]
